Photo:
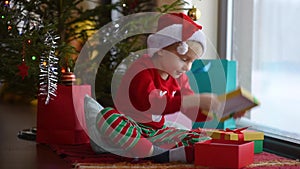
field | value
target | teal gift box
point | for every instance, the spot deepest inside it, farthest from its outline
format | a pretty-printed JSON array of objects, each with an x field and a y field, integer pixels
[{"x": 213, "y": 76}]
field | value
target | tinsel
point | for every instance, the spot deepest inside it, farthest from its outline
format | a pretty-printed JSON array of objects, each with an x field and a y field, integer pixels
[{"x": 49, "y": 68}]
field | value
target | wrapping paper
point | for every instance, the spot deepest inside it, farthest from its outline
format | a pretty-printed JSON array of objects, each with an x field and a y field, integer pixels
[
  {"x": 224, "y": 154},
  {"x": 62, "y": 120},
  {"x": 213, "y": 76},
  {"x": 240, "y": 135}
]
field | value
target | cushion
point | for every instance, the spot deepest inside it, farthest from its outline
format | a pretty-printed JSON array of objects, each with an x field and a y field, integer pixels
[
  {"x": 99, "y": 143},
  {"x": 111, "y": 131}
]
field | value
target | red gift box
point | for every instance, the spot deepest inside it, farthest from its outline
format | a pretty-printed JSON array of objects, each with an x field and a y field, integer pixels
[
  {"x": 239, "y": 134},
  {"x": 62, "y": 121},
  {"x": 224, "y": 154}
]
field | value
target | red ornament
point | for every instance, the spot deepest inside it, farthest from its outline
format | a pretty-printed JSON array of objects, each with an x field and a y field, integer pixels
[
  {"x": 68, "y": 78},
  {"x": 23, "y": 70}
]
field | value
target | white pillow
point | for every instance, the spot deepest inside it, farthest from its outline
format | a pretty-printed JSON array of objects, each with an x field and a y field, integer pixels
[{"x": 99, "y": 143}]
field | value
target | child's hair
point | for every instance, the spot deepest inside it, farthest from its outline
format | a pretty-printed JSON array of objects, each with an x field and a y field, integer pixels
[{"x": 173, "y": 28}]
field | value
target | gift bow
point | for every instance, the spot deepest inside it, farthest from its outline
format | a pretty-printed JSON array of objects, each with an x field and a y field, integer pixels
[{"x": 238, "y": 132}]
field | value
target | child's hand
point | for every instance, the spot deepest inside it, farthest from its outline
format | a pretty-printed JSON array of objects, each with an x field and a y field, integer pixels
[{"x": 209, "y": 102}]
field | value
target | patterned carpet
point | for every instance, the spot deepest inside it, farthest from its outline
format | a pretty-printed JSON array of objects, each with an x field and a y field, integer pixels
[
  {"x": 82, "y": 157},
  {"x": 272, "y": 163},
  {"x": 260, "y": 165}
]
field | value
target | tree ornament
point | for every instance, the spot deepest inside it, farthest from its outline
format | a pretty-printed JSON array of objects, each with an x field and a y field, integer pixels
[
  {"x": 23, "y": 69},
  {"x": 48, "y": 67},
  {"x": 194, "y": 13},
  {"x": 68, "y": 78}
]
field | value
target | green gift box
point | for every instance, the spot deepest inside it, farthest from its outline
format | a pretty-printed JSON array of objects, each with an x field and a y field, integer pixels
[{"x": 213, "y": 76}]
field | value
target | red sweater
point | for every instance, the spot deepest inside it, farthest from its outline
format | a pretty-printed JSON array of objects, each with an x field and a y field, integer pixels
[{"x": 146, "y": 97}]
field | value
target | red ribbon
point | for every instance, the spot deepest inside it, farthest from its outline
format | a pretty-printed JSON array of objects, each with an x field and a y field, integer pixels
[{"x": 238, "y": 132}]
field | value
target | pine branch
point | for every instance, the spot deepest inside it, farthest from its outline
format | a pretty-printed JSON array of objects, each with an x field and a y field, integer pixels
[{"x": 175, "y": 6}]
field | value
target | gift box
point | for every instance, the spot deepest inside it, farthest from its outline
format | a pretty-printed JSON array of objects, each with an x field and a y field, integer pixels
[
  {"x": 213, "y": 76},
  {"x": 217, "y": 124},
  {"x": 224, "y": 154},
  {"x": 241, "y": 134},
  {"x": 239, "y": 100},
  {"x": 62, "y": 120}
]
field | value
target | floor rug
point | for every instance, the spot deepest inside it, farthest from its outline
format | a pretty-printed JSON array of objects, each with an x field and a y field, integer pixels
[{"x": 82, "y": 157}]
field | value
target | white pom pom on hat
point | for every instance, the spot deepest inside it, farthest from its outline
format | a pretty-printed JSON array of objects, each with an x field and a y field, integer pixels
[{"x": 172, "y": 28}]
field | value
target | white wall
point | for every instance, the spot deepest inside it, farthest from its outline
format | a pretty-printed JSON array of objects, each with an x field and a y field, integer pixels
[{"x": 209, "y": 21}]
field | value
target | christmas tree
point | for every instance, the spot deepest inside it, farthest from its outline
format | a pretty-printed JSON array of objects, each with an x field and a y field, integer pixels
[
  {"x": 36, "y": 38},
  {"x": 41, "y": 39}
]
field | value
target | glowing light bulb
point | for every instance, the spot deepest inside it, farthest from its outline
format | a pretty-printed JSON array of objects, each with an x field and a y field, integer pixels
[
  {"x": 33, "y": 57},
  {"x": 6, "y": 3}
]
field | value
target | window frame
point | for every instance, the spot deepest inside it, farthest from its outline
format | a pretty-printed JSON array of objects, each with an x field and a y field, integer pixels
[{"x": 228, "y": 31}]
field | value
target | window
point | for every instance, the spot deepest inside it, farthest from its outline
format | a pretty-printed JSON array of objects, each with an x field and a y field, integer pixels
[{"x": 265, "y": 42}]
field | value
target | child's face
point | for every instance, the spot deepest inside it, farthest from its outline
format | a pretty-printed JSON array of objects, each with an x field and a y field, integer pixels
[{"x": 175, "y": 64}]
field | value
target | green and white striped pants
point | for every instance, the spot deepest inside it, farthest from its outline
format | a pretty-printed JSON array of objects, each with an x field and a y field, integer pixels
[{"x": 129, "y": 135}]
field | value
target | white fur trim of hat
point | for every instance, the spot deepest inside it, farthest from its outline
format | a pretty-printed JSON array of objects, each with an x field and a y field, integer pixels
[{"x": 176, "y": 27}]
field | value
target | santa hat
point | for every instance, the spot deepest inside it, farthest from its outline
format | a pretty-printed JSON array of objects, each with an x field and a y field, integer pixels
[{"x": 172, "y": 28}]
